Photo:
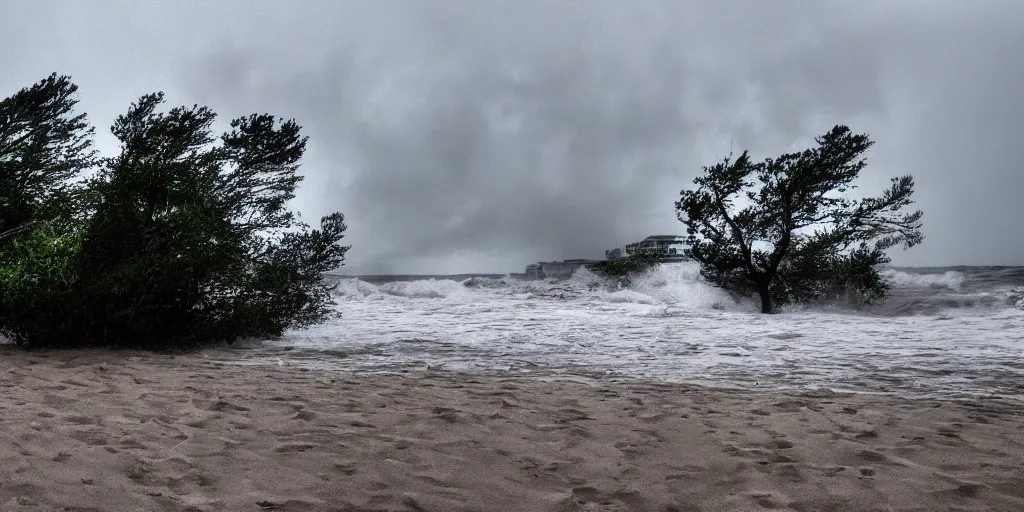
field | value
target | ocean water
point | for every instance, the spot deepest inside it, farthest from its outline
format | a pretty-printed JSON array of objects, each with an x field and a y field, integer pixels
[{"x": 943, "y": 333}]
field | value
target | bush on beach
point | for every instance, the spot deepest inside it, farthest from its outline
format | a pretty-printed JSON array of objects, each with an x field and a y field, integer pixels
[{"x": 181, "y": 239}]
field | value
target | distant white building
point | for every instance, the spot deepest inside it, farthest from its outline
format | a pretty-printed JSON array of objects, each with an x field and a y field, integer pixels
[{"x": 669, "y": 247}]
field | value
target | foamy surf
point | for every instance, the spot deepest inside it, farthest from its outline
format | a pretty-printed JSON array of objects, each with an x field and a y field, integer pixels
[{"x": 944, "y": 333}]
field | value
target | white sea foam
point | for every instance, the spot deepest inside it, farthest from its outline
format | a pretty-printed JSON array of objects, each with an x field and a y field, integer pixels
[
  {"x": 951, "y": 280},
  {"x": 425, "y": 289},
  {"x": 930, "y": 339}
]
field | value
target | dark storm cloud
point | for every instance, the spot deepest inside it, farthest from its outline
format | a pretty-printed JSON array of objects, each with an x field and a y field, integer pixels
[{"x": 476, "y": 135}]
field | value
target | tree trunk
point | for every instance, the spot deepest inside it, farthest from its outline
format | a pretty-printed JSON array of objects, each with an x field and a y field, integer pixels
[{"x": 766, "y": 300}]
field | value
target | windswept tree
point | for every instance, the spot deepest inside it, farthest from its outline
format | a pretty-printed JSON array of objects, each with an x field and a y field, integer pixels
[
  {"x": 189, "y": 238},
  {"x": 785, "y": 229},
  {"x": 44, "y": 148}
]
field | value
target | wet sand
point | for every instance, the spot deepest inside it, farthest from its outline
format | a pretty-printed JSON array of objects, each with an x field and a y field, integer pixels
[{"x": 96, "y": 430}]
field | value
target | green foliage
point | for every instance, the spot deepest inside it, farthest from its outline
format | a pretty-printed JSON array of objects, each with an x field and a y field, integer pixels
[
  {"x": 182, "y": 238},
  {"x": 850, "y": 276},
  {"x": 800, "y": 238},
  {"x": 625, "y": 268},
  {"x": 37, "y": 278}
]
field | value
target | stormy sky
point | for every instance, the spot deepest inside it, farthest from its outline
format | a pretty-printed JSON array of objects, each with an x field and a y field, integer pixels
[{"x": 478, "y": 135}]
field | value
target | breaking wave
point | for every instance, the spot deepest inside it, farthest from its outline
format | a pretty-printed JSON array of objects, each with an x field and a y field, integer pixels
[
  {"x": 949, "y": 280},
  {"x": 913, "y": 291},
  {"x": 942, "y": 332}
]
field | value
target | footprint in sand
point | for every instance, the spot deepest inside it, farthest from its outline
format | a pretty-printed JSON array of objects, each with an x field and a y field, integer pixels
[
  {"x": 768, "y": 500},
  {"x": 685, "y": 472},
  {"x": 347, "y": 468},
  {"x": 570, "y": 414},
  {"x": 790, "y": 473},
  {"x": 952, "y": 432},
  {"x": 871, "y": 456},
  {"x": 590, "y": 499},
  {"x": 781, "y": 444},
  {"x": 791, "y": 405},
  {"x": 217, "y": 405},
  {"x": 285, "y": 505},
  {"x": 970, "y": 489},
  {"x": 295, "y": 447},
  {"x": 630, "y": 450},
  {"x": 962, "y": 488},
  {"x": 448, "y": 414},
  {"x": 304, "y": 415},
  {"x": 132, "y": 444},
  {"x": 80, "y": 420},
  {"x": 202, "y": 422},
  {"x": 867, "y": 434},
  {"x": 91, "y": 438}
]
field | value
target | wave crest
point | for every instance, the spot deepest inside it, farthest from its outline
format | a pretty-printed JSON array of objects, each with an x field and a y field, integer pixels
[
  {"x": 951, "y": 280},
  {"x": 681, "y": 287}
]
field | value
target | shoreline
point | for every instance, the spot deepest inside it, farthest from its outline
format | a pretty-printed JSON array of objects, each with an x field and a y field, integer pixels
[
  {"x": 99, "y": 430},
  {"x": 317, "y": 359}
]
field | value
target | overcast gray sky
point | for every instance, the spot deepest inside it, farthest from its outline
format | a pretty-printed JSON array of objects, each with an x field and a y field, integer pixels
[{"x": 476, "y": 135}]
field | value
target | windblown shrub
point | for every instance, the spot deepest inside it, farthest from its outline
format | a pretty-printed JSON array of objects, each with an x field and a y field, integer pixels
[{"x": 183, "y": 238}]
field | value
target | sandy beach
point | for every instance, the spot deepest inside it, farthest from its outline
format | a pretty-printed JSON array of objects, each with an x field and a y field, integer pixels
[{"x": 95, "y": 430}]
